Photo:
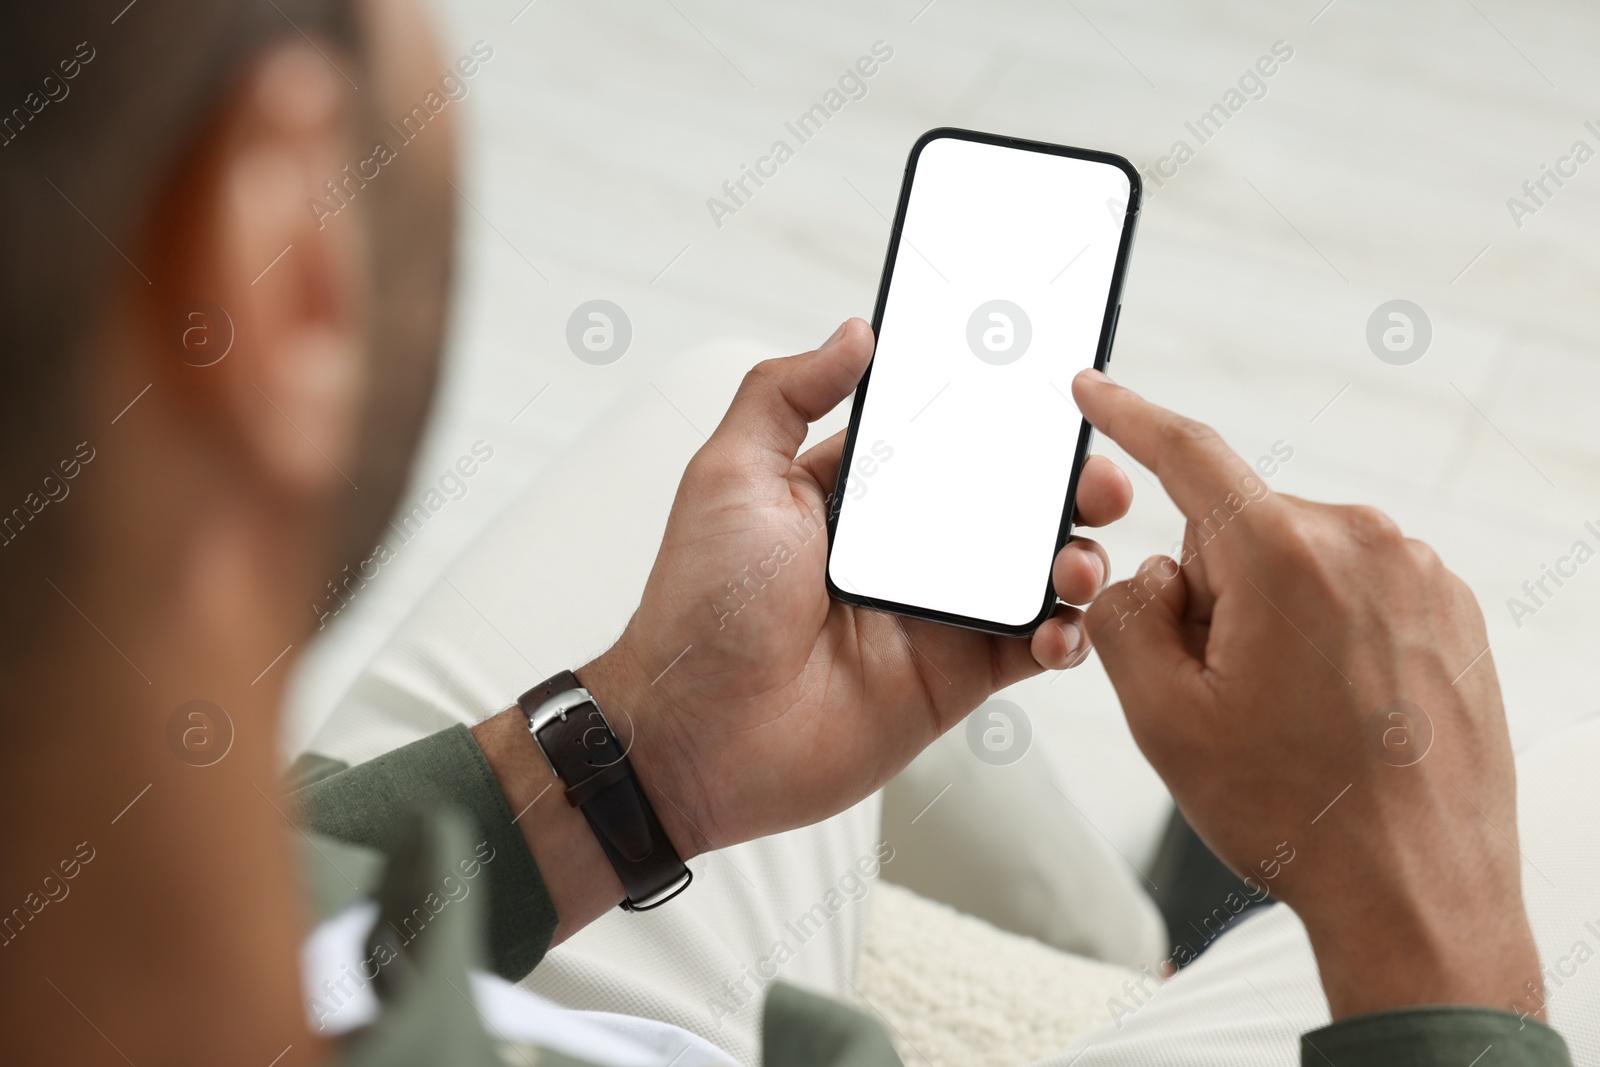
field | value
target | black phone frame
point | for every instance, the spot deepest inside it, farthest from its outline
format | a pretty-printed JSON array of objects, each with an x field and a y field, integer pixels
[{"x": 1108, "y": 329}]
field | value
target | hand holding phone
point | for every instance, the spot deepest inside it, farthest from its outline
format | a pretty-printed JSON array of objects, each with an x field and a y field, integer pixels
[
  {"x": 759, "y": 703},
  {"x": 1003, "y": 280}
]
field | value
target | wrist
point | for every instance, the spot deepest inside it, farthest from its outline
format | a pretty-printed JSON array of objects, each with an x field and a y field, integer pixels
[
  {"x": 1382, "y": 954},
  {"x": 644, "y": 722},
  {"x": 580, "y": 880}
]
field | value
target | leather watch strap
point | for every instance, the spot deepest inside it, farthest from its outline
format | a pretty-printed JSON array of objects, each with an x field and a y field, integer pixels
[{"x": 585, "y": 753}]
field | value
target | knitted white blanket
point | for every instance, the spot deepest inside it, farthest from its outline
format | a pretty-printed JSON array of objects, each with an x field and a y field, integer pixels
[{"x": 954, "y": 990}]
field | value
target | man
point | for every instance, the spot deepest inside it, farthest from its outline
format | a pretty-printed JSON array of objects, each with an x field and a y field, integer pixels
[{"x": 178, "y": 507}]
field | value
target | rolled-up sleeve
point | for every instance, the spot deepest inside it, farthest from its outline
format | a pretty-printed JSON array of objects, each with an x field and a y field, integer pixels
[
  {"x": 1435, "y": 1037},
  {"x": 362, "y": 805}
]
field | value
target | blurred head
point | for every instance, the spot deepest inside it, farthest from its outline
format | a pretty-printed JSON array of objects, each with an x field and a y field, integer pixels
[{"x": 160, "y": 183}]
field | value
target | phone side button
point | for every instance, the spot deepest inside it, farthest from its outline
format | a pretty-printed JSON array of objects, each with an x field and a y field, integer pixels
[{"x": 1111, "y": 338}]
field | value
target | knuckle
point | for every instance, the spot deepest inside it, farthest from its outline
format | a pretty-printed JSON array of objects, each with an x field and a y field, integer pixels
[
  {"x": 1465, "y": 599},
  {"x": 1370, "y": 528},
  {"x": 1423, "y": 557},
  {"x": 1110, "y": 613},
  {"x": 1440, "y": 582},
  {"x": 1187, "y": 433},
  {"x": 1121, "y": 604},
  {"x": 1296, "y": 536},
  {"x": 762, "y": 375},
  {"x": 1105, "y": 632}
]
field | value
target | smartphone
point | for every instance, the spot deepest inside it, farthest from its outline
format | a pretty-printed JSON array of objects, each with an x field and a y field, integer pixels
[{"x": 1003, "y": 280}]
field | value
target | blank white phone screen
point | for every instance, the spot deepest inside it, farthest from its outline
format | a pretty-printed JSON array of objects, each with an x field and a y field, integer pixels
[{"x": 963, "y": 455}]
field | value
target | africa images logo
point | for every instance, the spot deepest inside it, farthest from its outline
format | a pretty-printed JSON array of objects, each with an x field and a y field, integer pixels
[{"x": 999, "y": 332}]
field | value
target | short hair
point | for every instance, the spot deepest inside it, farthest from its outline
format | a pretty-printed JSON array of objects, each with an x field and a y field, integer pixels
[{"x": 98, "y": 104}]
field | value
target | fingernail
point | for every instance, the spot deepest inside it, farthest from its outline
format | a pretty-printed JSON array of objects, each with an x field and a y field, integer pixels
[
  {"x": 836, "y": 334},
  {"x": 1074, "y": 636},
  {"x": 1094, "y": 374}
]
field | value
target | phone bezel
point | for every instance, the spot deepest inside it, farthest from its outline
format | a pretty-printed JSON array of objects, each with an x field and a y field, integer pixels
[{"x": 1085, "y": 432}]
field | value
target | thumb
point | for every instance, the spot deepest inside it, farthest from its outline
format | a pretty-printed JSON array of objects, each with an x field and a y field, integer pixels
[
  {"x": 779, "y": 398},
  {"x": 1137, "y": 627}
]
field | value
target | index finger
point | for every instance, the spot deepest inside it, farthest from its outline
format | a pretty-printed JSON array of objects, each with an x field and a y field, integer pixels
[{"x": 1196, "y": 467}]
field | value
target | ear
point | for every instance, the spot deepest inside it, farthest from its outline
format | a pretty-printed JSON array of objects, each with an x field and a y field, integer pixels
[{"x": 263, "y": 275}]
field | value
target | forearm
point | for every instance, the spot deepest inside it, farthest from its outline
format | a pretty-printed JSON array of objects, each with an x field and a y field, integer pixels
[
  {"x": 1444, "y": 925},
  {"x": 1492, "y": 966},
  {"x": 1436, "y": 977}
]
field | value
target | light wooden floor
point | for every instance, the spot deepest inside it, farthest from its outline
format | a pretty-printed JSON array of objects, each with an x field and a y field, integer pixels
[{"x": 1376, "y": 166}]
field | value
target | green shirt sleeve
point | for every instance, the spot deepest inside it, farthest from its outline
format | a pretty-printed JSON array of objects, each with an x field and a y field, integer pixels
[
  {"x": 800, "y": 1029},
  {"x": 364, "y": 805},
  {"x": 1434, "y": 1037}
]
